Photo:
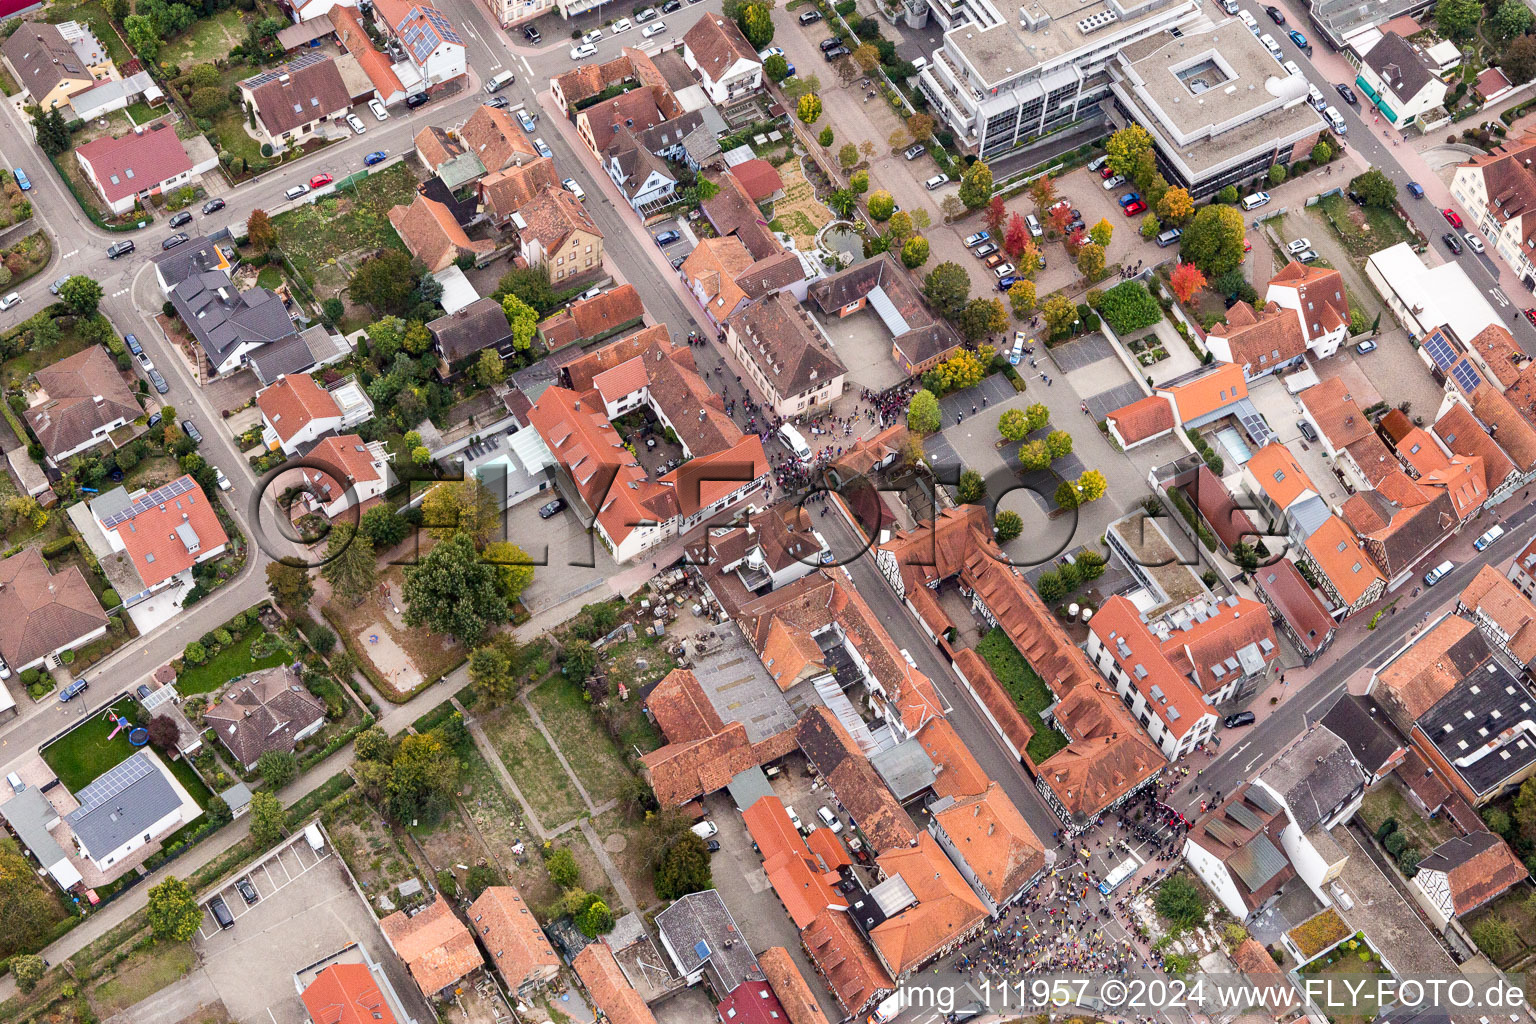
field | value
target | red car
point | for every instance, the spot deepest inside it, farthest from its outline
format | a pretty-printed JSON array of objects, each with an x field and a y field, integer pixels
[
  {"x": 320, "y": 181},
  {"x": 1247, "y": 245},
  {"x": 1530, "y": 315},
  {"x": 1451, "y": 217},
  {"x": 1132, "y": 209},
  {"x": 1106, "y": 172}
]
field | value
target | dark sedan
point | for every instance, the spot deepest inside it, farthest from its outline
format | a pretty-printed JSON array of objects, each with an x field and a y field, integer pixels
[
  {"x": 1348, "y": 94},
  {"x": 213, "y": 205},
  {"x": 1452, "y": 242},
  {"x": 175, "y": 240},
  {"x": 1276, "y": 15},
  {"x": 551, "y": 508}
]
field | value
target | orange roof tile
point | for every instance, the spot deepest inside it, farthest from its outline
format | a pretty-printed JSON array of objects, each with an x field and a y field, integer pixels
[
  {"x": 946, "y": 908},
  {"x": 993, "y": 837},
  {"x": 158, "y": 551},
  {"x": 1260, "y": 339},
  {"x": 1337, "y": 415},
  {"x": 681, "y": 709},
  {"x": 1142, "y": 419},
  {"x": 294, "y": 401},
  {"x": 849, "y": 966},
  {"x": 789, "y": 985},
  {"x": 1117, "y": 622},
  {"x": 1493, "y": 596},
  {"x": 1417, "y": 677},
  {"x": 796, "y": 877},
  {"x": 434, "y": 944},
  {"x": 346, "y": 994},
  {"x": 611, "y": 992},
  {"x": 1459, "y": 430},
  {"x": 352, "y": 35},
  {"x": 1276, "y": 470},
  {"x": 1222, "y": 385},
  {"x": 1341, "y": 558},
  {"x": 959, "y": 774},
  {"x": 512, "y": 936}
]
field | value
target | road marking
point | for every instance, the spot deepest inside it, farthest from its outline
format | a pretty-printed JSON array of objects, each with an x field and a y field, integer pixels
[
  {"x": 1498, "y": 296},
  {"x": 67, "y": 255},
  {"x": 1241, "y": 747},
  {"x": 123, "y": 291},
  {"x": 1249, "y": 766}
]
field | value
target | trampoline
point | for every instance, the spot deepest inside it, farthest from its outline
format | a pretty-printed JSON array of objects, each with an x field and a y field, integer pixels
[{"x": 138, "y": 736}]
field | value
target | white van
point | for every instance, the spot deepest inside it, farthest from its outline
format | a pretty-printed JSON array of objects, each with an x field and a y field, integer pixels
[
  {"x": 1255, "y": 201},
  {"x": 1248, "y": 19},
  {"x": 1291, "y": 68},
  {"x": 1230, "y": 6},
  {"x": 1316, "y": 98},
  {"x": 1270, "y": 45},
  {"x": 795, "y": 442},
  {"x": 1438, "y": 573},
  {"x": 1335, "y": 119},
  {"x": 500, "y": 82},
  {"x": 919, "y": 63}
]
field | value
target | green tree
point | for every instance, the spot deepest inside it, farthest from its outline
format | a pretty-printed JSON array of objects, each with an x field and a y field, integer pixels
[
  {"x": 277, "y": 768},
  {"x": 384, "y": 283},
  {"x": 1245, "y": 557},
  {"x": 464, "y": 506},
  {"x": 563, "y": 869},
  {"x": 756, "y": 23},
  {"x": 596, "y": 920},
  {"x": 209, "y": 103},
  {"x": 1058, "y": 443},
  {"x": 982, "y": 317},
  {"x": 1322, "y": 152},
  {"x": 1049, "y": 587},
  {"x": 579, "y": 656},
  {"x": 1179, "y": 903},
  {"x": 1101, "y": 233},
  {"x": 1376, "y": 189},
  {"x": 1066, "y": 495},
  {"x": 1091, "y": 486},
  {"x": 1455, "y": 17},
  {"x": 1034, "y": 455},
  {"x": 859, "y": 182},
  {"x": 80, "y": 295},
  {"x": 947, "y": 286},
  {"x": 826, "y": 137},
  {"x": 881, "y": 206},
  {"x": 451, "y": 590},
  {"x": 976, "y": 186},
  {"x": 531, "y": 284},
  {"x": 27, "y": 969},
  {"x": 383, "y": 526},
  {"x": 683, "y": 868},
  {"x": 843, "y": 201},
  {"x": 522, "y": 318},
  {"x": 1498, "y": 821},
  {"x": 52, "y": 136},
  {"x": 422, "y": 777},
  {"x": 1520, "y": 60},
  {"x": 372, "y": 744},
  {"x": 1213, "y": 241},
  {"x": 923, "y": 413},
  {"x": 776, "y": 68},
  {"x": 259, "y": 231},
  {"x": 914, "y": 252},
  {"x": 1059, "y": 312},
  {"x": 1126, "y": 148},
  {"x": 1021, "y": 296},
  {"x": 490, "y": 669},
  {"x": 1013, "y": 425},
  {"x": 808, "y": 109},
  {"x": 1090, "y": 261},
  {"x": 1276, "y": 174},
  {"x": 848, "y": 155},
  {"x": 1525, "y": 809},
  {"x": 1007, "y": 526},
  {"x": 289, "y": 585},
  {"x": 514, "y": 569},
  {"x": 350, "y": 566},
  {"x": 867, "y": 56},
  {"x": 267, "y": 818},
  {"x": 172, "y": 910},
  {"x": 488, "y": 368},
  {"x": 972, "y": 488}
]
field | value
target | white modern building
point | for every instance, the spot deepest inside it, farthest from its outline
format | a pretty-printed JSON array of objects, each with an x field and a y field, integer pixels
[
  {"x": 1424, "y": 298},
  {"x": 1401, "y": 80},
  {"x": 137, "y": 802}
]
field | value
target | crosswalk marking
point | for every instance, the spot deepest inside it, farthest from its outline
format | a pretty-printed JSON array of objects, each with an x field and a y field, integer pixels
[
  {"x": 123, "y": 291},
  {"x": 71, "y": 252}
]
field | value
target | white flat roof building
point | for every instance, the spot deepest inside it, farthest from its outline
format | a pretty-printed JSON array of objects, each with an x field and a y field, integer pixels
[{"x": 1424, "y": 298}]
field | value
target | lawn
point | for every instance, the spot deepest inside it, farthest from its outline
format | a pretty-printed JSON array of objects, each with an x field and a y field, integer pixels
[
  {"x": 83, "y": 753},
  {"x": 19, "y": 368},
  {"x": 35, "y": 906},
  {"x": 206, "y": 39},
  {"x": 533, "y": 766},
  {"x": 358, "y": 218},
  {"x": 1387, "y": 801},
  {"x": 269, "y": 277},
  {"x": 154, "y": 967},
  {"x": 140, "y": 112},
  {"x": 234, "y": 660},
  {"x": 1365, "y": 230},
  {"x": 1505, "y": 928},
  {"x": 500, "y": 821},
  {"x": 91, "y": 11},
  {"x": 1028, "y": 690},
  {"x": 597, "y": 762},
  {"x": 193, "y": 782}
]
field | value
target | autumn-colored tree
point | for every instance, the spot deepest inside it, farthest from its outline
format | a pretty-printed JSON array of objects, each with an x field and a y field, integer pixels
[
  {"x": 881, "y": 204},
  {"x": 900, "y": 226},
  {"x": 1186, "y": 282},
  {"x": 809, "y": 108},
  {"x": 900, "y": 139},
  {"x": 867, "y": 149},
  {"x": 920, "y": 126},
  {"x": 1042, "y": 192},
  {"x": 1030, "y": 261},
  {"x": 1075, "y": 242},
  {"x": 260, "y": 232},
  {"x": 997, "y": 212},
  {"x": 1102, "y": 232},
  {"x": 1176, "y": 206},
  {"x": 1091, "y": 486},
  {"x": 1059, "y": 312},
  {"x": 867, "y": 56},
  {"x": 1016, "y": 237},
  {"x": 1126, "y": 147},
  {"x": 1022, "y": 298},
  {"x": 1090, "y": 261}
]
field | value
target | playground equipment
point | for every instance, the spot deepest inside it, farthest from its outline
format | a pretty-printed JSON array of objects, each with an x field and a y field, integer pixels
[
  {"x": 119, "y": 723},
  {"x": 138, "y": 736}
]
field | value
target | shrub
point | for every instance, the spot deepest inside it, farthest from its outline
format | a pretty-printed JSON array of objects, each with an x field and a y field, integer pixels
[
  {"x": 1129, "y": 307},
  {"x": 1385, "y": 829},
  {"x": 194, "y": 653},
  {"x": 1395, "y": 843},
  {"x": 223, "y": 637}
]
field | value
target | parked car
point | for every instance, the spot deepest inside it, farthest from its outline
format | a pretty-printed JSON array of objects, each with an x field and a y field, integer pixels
[
  {"x": 379, "y": 113},
  {"x": 794, "y": 819},
  {"x": 667, "y": 237},
  {"x": 1113, "y": 182},
  {"x": 180, "y": 218},
  {"x": 246, "y": 890},
  {"x": 937, "y": 181},
  {"x": 525, "y": 120},
  {"x": 1473, "y": 242},
  {"x": 1297, "y": 246},
  {"x": 158, "y": 381},
  {"x": 583, "y": 51},
  {"x": 1255, "y": 201},
  {"x": 1106, "y": 171},
  {"x": 1366, "y": 347},
  {"x": 572, "y": 186},
  {"x": 320, "y": 180},
  {"x": 417, "y": 99},
  {"x": 712, "y": 845},
  {"x": 1241, "y": 718},
  {"x": 54, "y": 288},
  {"x": 970, "y": 1011},
  {"x": 117, "y": 249},
  {"x": 981, "y": 252},
  {"x": 132, "y": 342},
  {"x": 1004, "y": 283},
  {"x": 1530, "y": 314},
  {"x": 22, "y": 181},
  {"x": 499, "y": 102},
  {"x": 1300, "y": 41},
  {"x": 1451, "y": 242},
  {"x": 175, "y": 240},
  {"x": 810, "y": 17},
  {"x": 622, "y": 25},
  {"x": 220, "y": 911},
  {"x": 296, "y": 192},
  {"x": 829, "y": 43},
  {"x": 829, "y": 819},
  {"x": 544, "y": 150},
  {"x": 376, "y": 157},
  {"x": 654, "y": 30},
  {"x": 145, "y": 361},
  {"x": 1098, "y": 162},
  {"x": 549, "y": 509},
  {"x": 1134, "y": 208},
  {"x": 356, "y": 124},
  {"x": 705, "y": 829},
  {"x": 1276, "y": 15},
  {"x": 11, "y": 300},
  {"x": 1451, "y": 217},
  {"x": 972, "y": 241},
  {"x": 1005, "y": 270},
  {"x": 1129, "y": 198},
  {"x": 73, "y": 690},
  {"x": 592, "y": 36},
  {"x": 1307, "y": 430},
  {"x": 1347, "y": 93},
  {"x": 1035, "y": 230},
  {"x": 190, "y": 429},
  {"x": 1494, "y": 533},
  {"x": 1307, "y": 256},
  {"x": 1438, "y": 573},
  {"x": 213, "y": 206},
  {"x": 153, "y": 421},
  {"x": 649, "y": 14},
  {"x": 532, "y": 34},
  {"x": 1017, "y": 354},
  {"x": 671, "y": 5}
]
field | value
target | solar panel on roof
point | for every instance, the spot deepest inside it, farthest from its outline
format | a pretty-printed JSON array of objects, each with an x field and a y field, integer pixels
[
  {"x": 1261, "y": 798},
  {"x": 113, "y": 781},
  {"x": 158, "y": 496},
  {"x": 1222, "y": 831},
  {"x": 1466, "y": 376},
  {"x": 1440, "y": 351},
  {"x": 1257, "y": 863}
]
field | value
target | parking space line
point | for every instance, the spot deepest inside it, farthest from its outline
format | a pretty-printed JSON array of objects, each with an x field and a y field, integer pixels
[{"x": 266, "y": 871}]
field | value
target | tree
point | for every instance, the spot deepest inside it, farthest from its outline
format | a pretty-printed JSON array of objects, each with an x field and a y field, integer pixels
[
  {"x": 1016, "y": 237},
  {"x": 826, "y": 137},
  {"x": 848, "y": 155},
  {"x": 383, "y": 526},
  {"x": 350, "y": 567},
  {"x": 422, "y": 777},
  {"x": 1176, "y": 206},
  {"x": 1059, "y": 312},
  {"x": 1042, "y": 192},
  {"x": 951, "y": 207},
  {"x": 27, "y": 969},
  {"x": 451, "y": 590},
  {"x": 1092, "y": 486},
  {"x": 1066, "y": 495},
  {"x": 514, "y": 569},
  {"x": 1214, "y": 240},
  {"x": 1376, "y": 189},
  {"x": 1520, "y": 60},
  {"x": 596, "y": 920},
  {"x": 776, "y": 68},
  {"x": 1498, "y": 821},
  {"x": 981, "y": 317},
  {"x": 260, "y": 232},
  {"x": 859, "y": 182},
  {"x": 267, "y": 817},
  {"x": 1458, "y": 17},
  {"x": 289, "y": 585},
  {"x": 972, "y": 487},
  {"x": 465, "y": 506},
  {"x": 563, "y": 869},
  {"x": 209, "y": 102},
  {"x": 756, "y": 23},
  {"x": 1058, "y": 444},
  {"x": 173, "y": 911},
  {"x": 163, "y": 733},
  {"x": 1021, "y": 296},
  {"x": 1007, "y": 526},
  {"x": 914, "y": 253},
  {"x": 809, "y": 108},
  {"x": 384, "y": 283},
  {"x": 579, "y": 657},
  {"x": 1525, "y": 809},
  {"x": 843, "y": 201},
  {"x": 1179, "y": 903},
  {"x": 1186, "y": 282},
  {"x": 683, "y": 868},
  {"x": 490, "y": 669},
  {"x": 143, "y": 36},
  {"x": 1101, "y": 233},
  {"x": 488, "y": 368},
  {"x": 867, "y": 56},
  {"x": 1090, "y": 261},
  {"x": 923, "y": 413},
  {"x": 52, "y": 134},
  {"x": 899, "y": 227},
  {"x": 947, "y": 286},
  {"x": 372, "y": 744},
  {"x": 1322, "y": 152},
  {"x": 976, "y": 186},
  {"x": 997, "y": 212},
  {"x": 1126, "y": 148},
  {"x": 522, "y": 318},
  {"x": 920, "y": 127},
  {"x": 1276, "y": 174},
  {"x": 277, "y": 768},
  {"x": 881, "y": 205},
  {"x": 1013, "y": 425},
  {"x": 1029, "y": 261}
]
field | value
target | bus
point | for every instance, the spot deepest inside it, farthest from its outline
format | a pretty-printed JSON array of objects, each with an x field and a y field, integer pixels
[{"x": 1125, "y": 869}]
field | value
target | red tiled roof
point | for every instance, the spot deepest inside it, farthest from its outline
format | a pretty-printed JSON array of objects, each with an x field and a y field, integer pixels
[
  {"x": 681, "y": 709},
  {"x": 352, "y": 35},
  {"x": 1260, "y": 339},
  {"x": 849, "y": 966},
  {"x": 610, "y": 990},
  {"x": 799, "y": 881},
  {"x": 128, "y": 165},
  {"x": 346, "y": 453},
  {"x": 759, "y": 177},
  {"x": 151, "y": 537},
  {"x": 799, "y": 1002},
  {"x": 1142, "y": 419},
  {"x": 717, "y": 44},
  {"x": 946, "y": 908},
  {"x": 1117, "y": 622},
  {"x": 434, "y": 944},
  {"x": 1216, "y": 389},
  {"x": 293, "y": 401},
  {"x": 1460, "y": 431},
  {"x": 346, "y": 994},
  {"x": 512, "y": 936},
  {"x": 1298, "y": 603},
  {"x": 1341, "y": 558},
  {"x": 1322, "y": 304}
]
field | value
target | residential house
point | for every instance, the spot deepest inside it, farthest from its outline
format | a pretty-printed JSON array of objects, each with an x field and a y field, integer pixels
[
  {"x": 1522, "y": 571},
  {"x": 727, "y": 66},
  {"x": 1297, "y": 610},
  {"x": 516, "y": 12},
  {"x": 636, "y": 111},
  {"x": 1216, "y": 505},
  {"x": 49, "y": 68},
  {"x": 1464, "y": 873},
  {"x": 1360, "y": 722},
  {"x": 1206, "y": 395},
  {"x": 919, "y": 339},
  {"x": 349, "y": 993},
  {"x": 459, "y": 337},
  {"x": 703, "y": 943},
  {"x": 804, "y": 884},
  {"x": 990, "y": 843},
  {"x": 269, "y": 710},
  {"x": 197, "y": 255},
  {"x": 493, "y": 136},
  {"x": 296, "y": 411},
  {"x": 42, "y": 613},
  {"x": 1402, "y": 82},
  {"x": 1401, "y": 523},
  {"x": 786, "y": 355},
  {"x": 611, "y": 992},
  {"x": 1237, "y": 851},
  {"x": 760, "y": 179},
  {"x": 1346, "y": 434},
  {"x": 1506, "y": 617},
  {"x": 765, "y": 551},
  {"x": 731, "y": 212},
  {"x": 435, "y": 946},
  {"x": 588, "y": 321},
  {"x": 555, "y": 230},
  {"x": 1462, "y": 434},
  {"x": 789, "y": 986},
  {"x": 1461, "y": 479},
  {"x": 1144, "y": 420},
  {"x": 882, "y": 823},
  {"x": 1321, "y": 304},
  {"x": 232, "y": 327},
  {"x": 1319, "y": 783},
  {"x": 79, "y": 402},
  {"x": 922, "y": 910},
  {"x": 506, "y": 191},
  {"x": 431, "y": 44},
  {"x": 129, "y": 806},
  {"x": 131, "y": 168},
  {"x": 387, "y": 87},
  {"x": 751, "y": 1002},
  {"x": 1427, "y": 667},
  {"x": 342, "y": 472},
  {"x": 514, "y": 943},
  {"x": 846, "y": 963},
  {"x": 642, "y": 178},
  {"x": 163, "y": 532},
  {"x": 432, "y": 235},
  {"x": 292, "y": 101},
  {"x": 1261, "y": 341},
  {"x": 1283, "y": 493},
  {"x": 1344, "y": 572},
  {"x": 32, "y": 817}
]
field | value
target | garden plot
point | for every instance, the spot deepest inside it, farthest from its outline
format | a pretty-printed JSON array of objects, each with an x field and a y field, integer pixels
[{"x": 533, "y": 765}]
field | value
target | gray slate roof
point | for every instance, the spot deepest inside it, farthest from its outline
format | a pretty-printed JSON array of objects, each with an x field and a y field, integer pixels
[
  {"x": 701, "y": 933},
  {"x": 1360, "y": 723},
  {"x": 1314, "y": 776},
  {"x": 222, "y": 318},
  {"x": 1399, "y": 65},
  {"x": 29, "y": 812},
  {"x": 122, "y": 803},
  {"x": 194, "y": 256}
]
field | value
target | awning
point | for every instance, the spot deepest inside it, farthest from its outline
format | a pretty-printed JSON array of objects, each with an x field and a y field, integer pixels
[{"x": 1365, "y": 86}]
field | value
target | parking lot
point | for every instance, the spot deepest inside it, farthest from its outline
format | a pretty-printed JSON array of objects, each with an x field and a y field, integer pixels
[
  {"x": 576, "y": 560},
  {"x": 306, "y": 910}
]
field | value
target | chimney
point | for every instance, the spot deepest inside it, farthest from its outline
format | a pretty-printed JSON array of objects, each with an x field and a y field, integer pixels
[{"x": 98, "y": 399}]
